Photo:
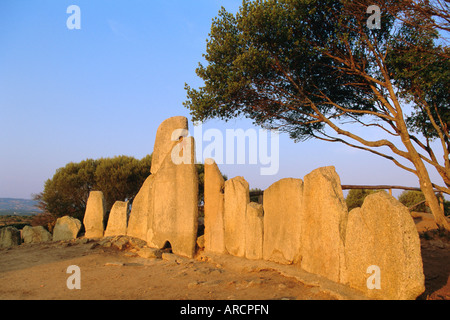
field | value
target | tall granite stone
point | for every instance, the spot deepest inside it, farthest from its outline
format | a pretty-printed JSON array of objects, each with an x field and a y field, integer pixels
[
  {"x": 166, "y": 207},
  {"x": 282, "y": 203},
  {"x": 236, "y": 198},
  {"x": 166, "y": 137},
  {"x": 66, "y": 228},
  {"x": 141, "y": 210},
  {"x": 254, "y": 231},
  {"x": 382, "y": 233},
  {"x": 214, "y": 185},
  {"x": 94, "y": 217},
  {"x": 9, "y": 237},
  {"x": 323, "y": 219},
  {"x": 175, "y": 201},
  {"x": 117, "y": 221}
]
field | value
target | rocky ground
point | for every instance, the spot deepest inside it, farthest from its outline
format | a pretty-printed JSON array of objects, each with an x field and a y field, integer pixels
[{"x": 122, "y": 268}]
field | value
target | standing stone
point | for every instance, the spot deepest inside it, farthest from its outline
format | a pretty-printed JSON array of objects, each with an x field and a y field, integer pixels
[
  {"x": 35, "y": 234},
  {"x": 175, "y": 201},
  {"x": 117, "y": 222},
  {"x": 254, "y": 231},
  {"x": 9, "y": 237},
  {"x": 382, "y": 233},
  {"x": 141, "y": 210},
  {"x": 166, "y": 207},
  {"x": 214, "y": 208},
  {"x": 283, "y": 202},
  {"x": 324, "y": 220},
  {"x": 95, "y": 215},
  {"x": 166, "y": 138},
  {"x": 66, "y": 228},
  {"x": 236, "y": 199}
]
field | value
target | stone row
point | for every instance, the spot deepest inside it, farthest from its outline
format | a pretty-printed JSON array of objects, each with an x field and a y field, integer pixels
[
  {"x": 307, "y": 224},
  {"x": 301, "y": 222}
]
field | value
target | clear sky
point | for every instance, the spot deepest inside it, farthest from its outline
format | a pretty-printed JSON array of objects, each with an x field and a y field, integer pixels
[{"x": 101, "y": 91}]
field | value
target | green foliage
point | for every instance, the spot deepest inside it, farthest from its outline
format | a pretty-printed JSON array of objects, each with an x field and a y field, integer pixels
[
  {"x": 422, "y": 75},
  {"x": 355, "y": 197},
  {"x": 275, "y": 59},
  {"x": 119, "y": 178},
  {"x": 268, "y": 63},
  {"x": 410, "y": 198},
  {"x": 255, "y": 198}
]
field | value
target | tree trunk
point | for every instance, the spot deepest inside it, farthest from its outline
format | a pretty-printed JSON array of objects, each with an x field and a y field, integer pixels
[
  {"x": 422, "y": 173},
  {"x": 428, "y": 191}
]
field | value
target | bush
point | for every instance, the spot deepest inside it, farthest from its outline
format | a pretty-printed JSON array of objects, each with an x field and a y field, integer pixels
[{"x": 410, "y": 198}]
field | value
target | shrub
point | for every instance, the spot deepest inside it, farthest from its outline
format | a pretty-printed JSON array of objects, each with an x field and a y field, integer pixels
[{"x": 410, "y": 198}]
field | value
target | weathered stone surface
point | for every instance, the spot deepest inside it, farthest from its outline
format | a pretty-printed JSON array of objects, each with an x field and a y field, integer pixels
[
  {"x": 166, "y": 138},
  {"x": 150, "y": 253},
  {"x": 282, "y": 222},
  {"x": 35, "y": 234},
  {"x": 254, "y": 231},
  {"x": 66, "y": 228},
  {"x": 382, "y": 233},
  {"x": 214, "y": 208},
  {"x": 117, "y": 221},
  {"x": 323, "y": 219},
  {"x": 141, "y": 210},
  {"x": 236, "y": 198},
  {"x": 175, "y": 202},
  {"x": 95, "y": 215},
  {"x": 166, "y": 207},
  {"x": 9, "y": 237}
]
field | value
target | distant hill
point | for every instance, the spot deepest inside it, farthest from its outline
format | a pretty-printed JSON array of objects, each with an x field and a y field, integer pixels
[{"x": 10, "y": 206}]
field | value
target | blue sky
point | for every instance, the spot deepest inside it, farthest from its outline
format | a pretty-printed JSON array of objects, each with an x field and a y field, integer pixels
[{"x": 101, "y": 91}]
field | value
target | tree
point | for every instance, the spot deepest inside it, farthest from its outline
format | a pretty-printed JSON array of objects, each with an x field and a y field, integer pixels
[
  {"x": 120, "y": 178},
  {"x": 314, "y": 69},
  {"x": 67, "y": 192}
]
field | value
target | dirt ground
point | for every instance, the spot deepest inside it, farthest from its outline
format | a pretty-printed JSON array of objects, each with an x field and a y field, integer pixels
[{"x": 39, "y": 271}]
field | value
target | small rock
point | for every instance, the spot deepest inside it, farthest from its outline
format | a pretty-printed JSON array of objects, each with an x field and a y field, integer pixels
[
  {"x": 193, "y": 284},
  {"x": 130, "y": 254},
  {"x": 201, "y": 242},
  {"x": 150, "y": 253},
  {"x": 438, "y": 243},
  {"x": 82, "y": 240},
  {"x": 114, "y": 264},
  {"x": 169, "y": 257},
  {"x": 120, "y": 243},
  {"x": 94, "y": 245},
  {"x": 107, "y": 244}
]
